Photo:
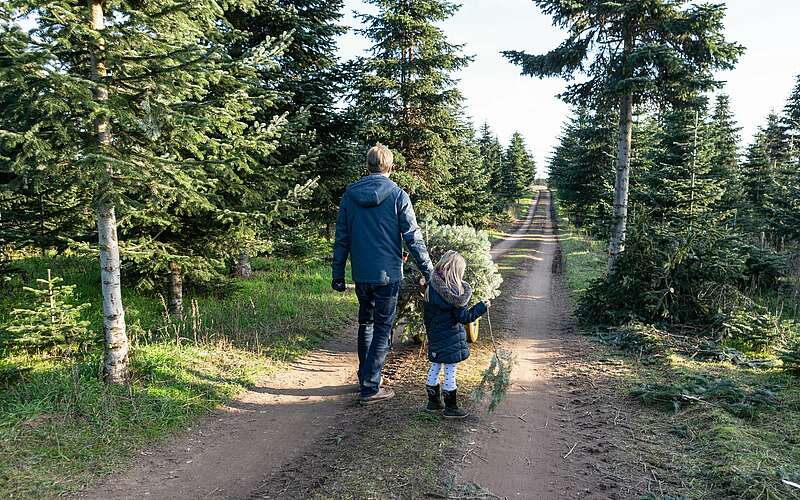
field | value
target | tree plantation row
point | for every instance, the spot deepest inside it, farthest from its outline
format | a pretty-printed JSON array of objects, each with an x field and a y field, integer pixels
[
  {"x": 180, "y": 139},
  {"x": 693, "y": 234}
]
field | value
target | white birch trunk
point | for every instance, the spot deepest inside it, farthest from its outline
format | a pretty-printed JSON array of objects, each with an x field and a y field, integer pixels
[
  {"x": 620, "y": 218},
  {"x": 115, "y": 354}
]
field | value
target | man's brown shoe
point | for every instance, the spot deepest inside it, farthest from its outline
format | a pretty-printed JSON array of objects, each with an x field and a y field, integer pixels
[{"x": 383, "y": 394}]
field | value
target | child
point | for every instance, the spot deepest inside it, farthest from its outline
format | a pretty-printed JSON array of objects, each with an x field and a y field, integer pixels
[{"x": 445, "y": 313}]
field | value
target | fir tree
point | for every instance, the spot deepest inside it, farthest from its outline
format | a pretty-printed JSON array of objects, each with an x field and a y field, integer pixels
[
  {"x": 492, "y": 165},
  {"x": 758, "y": 174},
  {"x": 407, "y": 98},
  {"x": 53, "y": 322},
  {"x": 519, "y": 169},
  {"x": 682, "y": 188},
  {"x": 469, "y": 197},
  {"x": 724, "y": 135},
  {"x": 581, "y": 168},
  {"x": 784, "y": 195},
  {"x": 640, "y": 50},
  {"x": 311, "y": 81},
  {"x": 768, "y": 175}
]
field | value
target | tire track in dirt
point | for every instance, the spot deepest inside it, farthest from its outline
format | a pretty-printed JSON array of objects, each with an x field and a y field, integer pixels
[
  {"x": 282, "y": 439},
  {"x": 231, "y": 452},
  {"x": 252, "y": 445},
  {"x": 558, "y": 433}
]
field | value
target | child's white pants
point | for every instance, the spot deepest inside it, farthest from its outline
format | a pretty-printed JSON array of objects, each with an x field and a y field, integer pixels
[{"x": 449, "y": 376}]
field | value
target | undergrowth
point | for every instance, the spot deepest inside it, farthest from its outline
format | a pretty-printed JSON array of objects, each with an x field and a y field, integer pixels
[
  {"x": 59, "y": 432},
  {"x": 729, "y": 414}
]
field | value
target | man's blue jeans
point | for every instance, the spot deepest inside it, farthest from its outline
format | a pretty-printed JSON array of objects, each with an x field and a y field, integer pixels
[{"x": 377, "y": 307}]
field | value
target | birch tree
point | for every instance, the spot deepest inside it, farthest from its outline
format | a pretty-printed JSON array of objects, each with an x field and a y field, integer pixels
[
  {"x": 161, "y": 124},
  {"x": 631, "y": 53}
]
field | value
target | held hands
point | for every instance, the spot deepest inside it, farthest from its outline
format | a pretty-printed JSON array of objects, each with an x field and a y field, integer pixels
[{"x": 338, "y": 285}]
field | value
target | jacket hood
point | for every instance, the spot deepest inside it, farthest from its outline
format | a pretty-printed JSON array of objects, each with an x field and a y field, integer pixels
[
  {"x": 449, "y": 295},
  {"x": 371, "y": 190}
]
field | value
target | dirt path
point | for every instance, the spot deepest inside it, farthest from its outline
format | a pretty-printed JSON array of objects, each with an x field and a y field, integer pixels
[
  {"x": 549, "y": 437},
  {"x": 555, "y": 435},
  {"x": 233, "y": 451},
  {"x": 249, "y": 442}
]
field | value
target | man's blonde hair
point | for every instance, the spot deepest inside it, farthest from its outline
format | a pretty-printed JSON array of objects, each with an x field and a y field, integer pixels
[{"x": 379, "y": 159}]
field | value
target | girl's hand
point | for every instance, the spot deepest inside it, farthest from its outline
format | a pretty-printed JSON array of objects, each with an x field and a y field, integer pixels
[{"x": 488, "y": 303}]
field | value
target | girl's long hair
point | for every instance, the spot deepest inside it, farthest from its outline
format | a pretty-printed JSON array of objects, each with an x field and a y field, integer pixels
[{"x": 451, "y": 268}]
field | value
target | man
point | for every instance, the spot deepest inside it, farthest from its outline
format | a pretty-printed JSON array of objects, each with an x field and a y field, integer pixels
[{"x": 375, "y": 217}]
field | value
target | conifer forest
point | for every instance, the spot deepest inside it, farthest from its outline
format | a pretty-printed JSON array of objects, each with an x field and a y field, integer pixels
[{"x": 171, "y": 175}]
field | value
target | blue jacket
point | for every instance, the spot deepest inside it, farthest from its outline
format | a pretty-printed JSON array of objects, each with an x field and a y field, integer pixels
[
  {"x": 445, "y": 314},
  {"x": 375, "y": 217}
]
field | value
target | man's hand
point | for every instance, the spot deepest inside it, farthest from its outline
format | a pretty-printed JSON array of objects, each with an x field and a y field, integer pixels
[{"x": 338, "y": 285}]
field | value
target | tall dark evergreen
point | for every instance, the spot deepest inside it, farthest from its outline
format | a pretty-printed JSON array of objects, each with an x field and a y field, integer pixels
[
  {"x": 310, "y": 81},
  {"x": 682, "y": 189},
  {"x": 469, "y": 200},
  {"x": 784, "y": 194},
  {"x": 581, "y": 168},
  {"x": 407, "y": 97},
  {"x": 491, "y": 152},
  {"x": 631, "y": 53},
  {"x": 518, "y": 170},
  {"x": 725, "y": 138}
]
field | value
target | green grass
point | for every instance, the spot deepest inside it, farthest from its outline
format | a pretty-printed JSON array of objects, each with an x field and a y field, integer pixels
[
  {"x": 56, "y": 438},
  {"x": 712, "y": 452},
  {"x": 516, "y": 212},
  {"x": 585, "y": 257}
]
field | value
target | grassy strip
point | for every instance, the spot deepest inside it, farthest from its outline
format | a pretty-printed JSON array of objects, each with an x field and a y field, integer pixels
[
  {"x": 416, "y": 448},
  {"x": 516, "y": 212},
  {"x": 57, "y": 436},
  {"x": 717, "y": 451}
]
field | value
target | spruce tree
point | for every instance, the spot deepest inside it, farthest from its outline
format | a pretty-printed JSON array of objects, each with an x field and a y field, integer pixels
[
  {"x": 682, "y": 187},
  {"x": 147, "y": 104},
  {"x": 758, "y": 175},
  {"x": 469, "y": 200},
  {"x": 492, "y": 165},
  {"x": 310, "y": 81},
  {"x": 784, "y": 195},
  {"x": 768, "y": 177},
  {"x": 407, "y": 97},
  {"x": 631, "y": 53},
  {"x": 519, "y": 169},
  {"x": 53, "y": 321},
  {"x": 581, "y": 168},
  {"x": 724, "y": 136}
]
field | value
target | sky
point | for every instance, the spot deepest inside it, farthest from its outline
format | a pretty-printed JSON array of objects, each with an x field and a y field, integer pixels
[{"x": 496, "y": 93}]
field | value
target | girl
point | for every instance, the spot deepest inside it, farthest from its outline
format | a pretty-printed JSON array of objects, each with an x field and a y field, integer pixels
[{"x": 445, "y": 313}]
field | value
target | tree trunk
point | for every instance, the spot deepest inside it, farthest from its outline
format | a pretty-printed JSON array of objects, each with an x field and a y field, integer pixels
[
  {"x": 175, "y": 289},
  {"x": 620, "y": 217},
  {"x": 242, "y": 268},
  {"x": 115, "y": 353}
]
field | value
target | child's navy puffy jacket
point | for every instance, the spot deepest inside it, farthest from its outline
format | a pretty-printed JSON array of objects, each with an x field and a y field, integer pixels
[{"x": 445, "y": 314}]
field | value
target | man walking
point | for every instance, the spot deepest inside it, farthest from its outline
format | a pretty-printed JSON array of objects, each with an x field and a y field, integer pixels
[{"x": 375, "y": 217}]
